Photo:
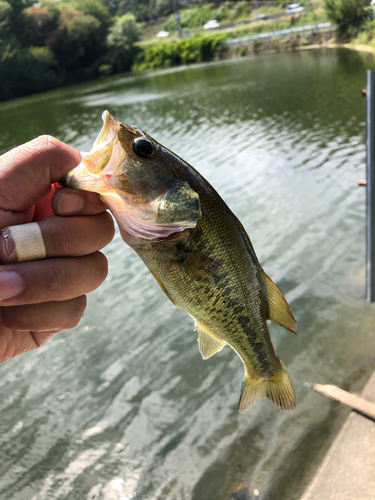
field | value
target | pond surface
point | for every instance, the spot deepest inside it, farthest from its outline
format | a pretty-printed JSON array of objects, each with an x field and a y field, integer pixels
[{"x": 123, "y": 405}]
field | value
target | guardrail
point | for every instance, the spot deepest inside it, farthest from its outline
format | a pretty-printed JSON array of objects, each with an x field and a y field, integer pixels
[{"x": 286, "y": 32}]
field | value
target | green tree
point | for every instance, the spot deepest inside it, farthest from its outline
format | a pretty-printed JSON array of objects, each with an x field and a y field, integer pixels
[
  {"x": 38, "y": 23},
  {"x": 25, "y": 71},
  {"x": 76, "y": 43},
  {"x": 125, "y": 31},
  {"x": 349, "y": 15},
  {"x": 5, "y": 12},
  {"x": 15, "y": 20},
  {"x": 142, "y": 9},
  {"x": 121, "y": 50},
  {"x": 96, "y": 9}
]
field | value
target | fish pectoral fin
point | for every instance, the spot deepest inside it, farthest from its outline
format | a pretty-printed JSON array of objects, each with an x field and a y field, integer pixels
[
  {"x": 207, "y": 343},
  {"x": 279, "y": 310},
  {"x": 203, "y": 268},
  {"x": 199, "y": 266},
  {"x": 277, "y": 388},
  {"x": 164, "y": 289}
]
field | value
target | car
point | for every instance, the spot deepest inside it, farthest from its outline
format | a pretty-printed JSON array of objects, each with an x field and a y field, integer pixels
[
  {"x": 294, "y": 7},
  {"x": 211, "y": 24},
  {"x": 162, "y": 34}
]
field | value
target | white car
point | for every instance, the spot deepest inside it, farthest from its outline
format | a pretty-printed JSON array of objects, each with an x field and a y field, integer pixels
[
  {"x": 211, "y": 24},
  {"x": 162, "y": 34},
  {"x": 293, "y": 7}
]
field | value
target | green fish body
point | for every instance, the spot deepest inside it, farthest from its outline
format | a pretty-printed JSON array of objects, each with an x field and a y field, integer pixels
[{"x": 197, "y": 250}]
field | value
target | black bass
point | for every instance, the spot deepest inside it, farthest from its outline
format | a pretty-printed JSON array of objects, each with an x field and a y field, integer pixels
[{"x": 196, "y": 249}]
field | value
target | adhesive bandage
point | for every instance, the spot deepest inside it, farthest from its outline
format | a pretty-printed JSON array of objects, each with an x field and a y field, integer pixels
[{"x": 28, "y": 241}]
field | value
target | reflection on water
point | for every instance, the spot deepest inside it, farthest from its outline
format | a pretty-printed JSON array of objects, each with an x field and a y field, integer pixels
[{"x": 123, "y": 405}]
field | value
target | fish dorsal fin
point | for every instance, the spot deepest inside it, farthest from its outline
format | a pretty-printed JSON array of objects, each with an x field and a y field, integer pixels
[
  {"x": 279, "y": 310},
  {"x": 207, "y": 343}
]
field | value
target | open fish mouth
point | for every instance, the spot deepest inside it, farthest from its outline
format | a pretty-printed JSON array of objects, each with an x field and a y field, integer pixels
[
  {"x": 112, "y": 166},
  {"x": 86, "y": 176}
]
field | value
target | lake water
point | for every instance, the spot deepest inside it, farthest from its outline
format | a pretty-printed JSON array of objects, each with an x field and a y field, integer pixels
[{"x": 123, "y": 406}]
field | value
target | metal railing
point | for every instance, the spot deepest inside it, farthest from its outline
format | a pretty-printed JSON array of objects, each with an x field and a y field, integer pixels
[
  {"x": 370, "y": 194},
  {"x": 314, "y": 28}
]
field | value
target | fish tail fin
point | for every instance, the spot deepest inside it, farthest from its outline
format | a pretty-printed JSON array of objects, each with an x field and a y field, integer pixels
[{"x": 277, "y": 388}]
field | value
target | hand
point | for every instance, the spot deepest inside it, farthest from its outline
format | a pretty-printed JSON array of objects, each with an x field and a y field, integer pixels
[{"x": 43, "y": 297}]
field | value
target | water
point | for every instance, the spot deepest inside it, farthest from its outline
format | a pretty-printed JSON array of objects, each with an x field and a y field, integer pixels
[{"x": 123, "y": 405}]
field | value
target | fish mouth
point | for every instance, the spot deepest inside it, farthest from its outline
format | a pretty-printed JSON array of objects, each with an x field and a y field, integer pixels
[
  {"x": 86, "y": 176},
  {"x": 108, "y": 131},
  {"x": 173, "y": 211}
]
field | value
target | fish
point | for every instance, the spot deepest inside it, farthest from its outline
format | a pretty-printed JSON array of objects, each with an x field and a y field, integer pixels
[{"x": 196, "y": 249}]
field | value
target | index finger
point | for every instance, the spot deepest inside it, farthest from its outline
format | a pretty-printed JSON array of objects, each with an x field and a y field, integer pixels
[{"x": 27, "y": 172}]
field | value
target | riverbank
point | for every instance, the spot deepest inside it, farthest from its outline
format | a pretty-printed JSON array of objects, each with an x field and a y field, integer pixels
[
  {"x": 348, "y": 470},
  {"x": 220, "y": 46},
  {"x": 276, "y": 44}
]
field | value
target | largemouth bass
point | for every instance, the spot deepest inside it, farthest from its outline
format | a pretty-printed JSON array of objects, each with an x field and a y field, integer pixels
[{"x": 197, "y": 250}]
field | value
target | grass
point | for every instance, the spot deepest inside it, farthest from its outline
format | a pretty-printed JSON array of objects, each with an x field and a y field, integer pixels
[
  {"x": 202, "y": 45},
  {"x": 187, "y": 50}
]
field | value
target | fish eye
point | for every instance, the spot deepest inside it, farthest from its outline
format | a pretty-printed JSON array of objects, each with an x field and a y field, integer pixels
[{"x": 143, "y": 147}]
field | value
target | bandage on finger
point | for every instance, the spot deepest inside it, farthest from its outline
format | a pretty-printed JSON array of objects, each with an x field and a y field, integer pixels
[{"x": 24, "y": 242}]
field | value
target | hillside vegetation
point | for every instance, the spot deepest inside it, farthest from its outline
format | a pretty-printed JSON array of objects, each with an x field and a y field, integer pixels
[{"x": 52, "y": 43}]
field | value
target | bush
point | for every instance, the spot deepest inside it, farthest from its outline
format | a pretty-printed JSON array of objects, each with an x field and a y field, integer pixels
[
  {"x": 242, "y": 9},
  {"x": 192, "y": 18},
  {"x": 349, "y": 15},
  {"x": 187, "y": 50},
  {"x": 24, "y": 71},
  {"x": 368, "y": 33},
  {"x": 125, "y": 31}
]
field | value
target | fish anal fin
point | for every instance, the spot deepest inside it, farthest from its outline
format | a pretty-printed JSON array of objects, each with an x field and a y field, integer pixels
[
  {"x": 277, "y": 388},
  {"x": 208, "y": 344},
  {"x": 279, "y": 310},
  {"x": 164, "y": 289}
]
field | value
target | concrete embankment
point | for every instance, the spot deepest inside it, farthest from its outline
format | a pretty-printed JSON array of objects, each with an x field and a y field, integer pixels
[
  {"x": 348, "y": 470},
  {"x": 279, "y": 41}
]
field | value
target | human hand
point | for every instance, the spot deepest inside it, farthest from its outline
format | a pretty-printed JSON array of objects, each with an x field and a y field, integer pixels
[{"x": 40, "y": 298}]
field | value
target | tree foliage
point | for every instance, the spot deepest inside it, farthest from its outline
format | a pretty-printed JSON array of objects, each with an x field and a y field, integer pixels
[
  {"x": 349, "y": 15},
  {"x": 124, "y": 31},
  {"x": 24, "y": 71},
  {"x": 63, "y": 40},
  {"x": 50, "y": 43},
  {"x": 123, "y": 35},
  {"x": 187, "y": 50}
]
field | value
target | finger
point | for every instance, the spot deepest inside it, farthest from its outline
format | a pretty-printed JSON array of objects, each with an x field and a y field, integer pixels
[
  {"x": 51, "y": 279},
  {"x": 43, "y": 208},
  {"x": 68, "y": 201},
  {"x": 59, "y": 237},
  {"x": 27, "y": 172},
  {"x": 14, "y": 342},
  {"x": 56, "y": 316},
  {"x": 11, "y": 218}
]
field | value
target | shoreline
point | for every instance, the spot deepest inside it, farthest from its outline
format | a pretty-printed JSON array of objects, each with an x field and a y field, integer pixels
[
  {"x": 347, "y": 470},
  {"x": 352, "y": 46},
  {"x": 277, "y": 45}
]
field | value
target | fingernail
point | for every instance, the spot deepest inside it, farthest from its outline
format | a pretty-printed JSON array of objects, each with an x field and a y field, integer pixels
[
  {"x": 11, "y": 285},
  {"x": 8, "y": 247},
  {"x": 70, "y": 204}
]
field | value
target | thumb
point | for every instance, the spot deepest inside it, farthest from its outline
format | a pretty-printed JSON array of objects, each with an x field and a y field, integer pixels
[{"x": 27, "y": 172}]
